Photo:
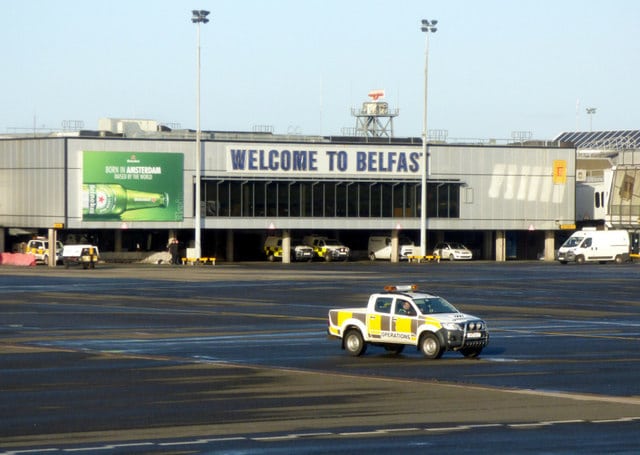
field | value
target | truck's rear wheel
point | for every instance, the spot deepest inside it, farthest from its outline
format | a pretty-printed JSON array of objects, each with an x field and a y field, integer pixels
[
  {"x": 372, "y": 256},
  {"x": 430, "y": 346},
  {"x": 354, "y": 343}
]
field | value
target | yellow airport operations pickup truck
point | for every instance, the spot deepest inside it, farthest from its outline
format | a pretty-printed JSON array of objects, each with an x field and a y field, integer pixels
[{"x": 404, "y": 316}]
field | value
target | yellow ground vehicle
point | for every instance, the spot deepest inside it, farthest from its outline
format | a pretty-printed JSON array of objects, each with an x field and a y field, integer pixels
[
  {"x": 39, "y": 247},
  {"x": 404, "y": 316}
]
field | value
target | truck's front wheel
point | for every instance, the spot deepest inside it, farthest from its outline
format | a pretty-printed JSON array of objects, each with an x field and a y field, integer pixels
[
  {"x": 354, "y": 343},
  {"x": 430, "y": 346}
]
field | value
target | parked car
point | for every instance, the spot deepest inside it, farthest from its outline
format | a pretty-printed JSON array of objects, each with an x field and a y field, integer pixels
[
  {"x": 380, "y": 247},
  {"x": 452, "y": 251}
]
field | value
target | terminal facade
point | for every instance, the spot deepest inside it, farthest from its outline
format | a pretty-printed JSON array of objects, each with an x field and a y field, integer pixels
[{"x": 513, "y": 201}]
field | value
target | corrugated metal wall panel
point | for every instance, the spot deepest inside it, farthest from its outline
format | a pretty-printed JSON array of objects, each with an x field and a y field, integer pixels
[
  {"x": 511, "y": 185},
  {"x": 32, "y": 177}
]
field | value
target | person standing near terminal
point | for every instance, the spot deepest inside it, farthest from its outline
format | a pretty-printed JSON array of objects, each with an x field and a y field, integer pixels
[{"x": 173, "y": 250}]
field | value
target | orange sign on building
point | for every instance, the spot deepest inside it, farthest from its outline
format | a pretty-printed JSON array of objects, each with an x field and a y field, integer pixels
[{"x": 559, "y": 172}]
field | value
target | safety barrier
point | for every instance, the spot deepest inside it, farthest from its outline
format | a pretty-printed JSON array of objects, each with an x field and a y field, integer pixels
[
  {"x": 198, "y": 261},
  {"x": 426, "y": 258}
]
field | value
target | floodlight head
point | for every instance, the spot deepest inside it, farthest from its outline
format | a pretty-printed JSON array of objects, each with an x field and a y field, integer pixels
[
  {"x": 428, "y": 26},
  {"x": 199, "y": 16}
]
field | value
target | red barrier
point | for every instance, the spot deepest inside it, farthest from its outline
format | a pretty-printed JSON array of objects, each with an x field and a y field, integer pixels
[{"x": 25, "y": 260}]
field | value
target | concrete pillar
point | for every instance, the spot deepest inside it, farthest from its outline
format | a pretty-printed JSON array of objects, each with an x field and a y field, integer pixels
[
  {"x": 549, "y": 246},
  {"x": 117, "y": 241},
  {"x": 501, "y": 246},
  {"x": 286, "y": 247},
  {"x": 3, "y": 234},
  {"x": 487, "y": 245},
  {"x": 395, "y": 247},
  {"x": 52, "y": 248},
  {"x": 229, "y": 254}
]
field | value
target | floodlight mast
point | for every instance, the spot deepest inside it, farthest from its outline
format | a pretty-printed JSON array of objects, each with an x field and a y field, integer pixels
[
  {"x": 427, "y": 27},
  {"x": 590, "y": 112},
  {"x": 199, "y": 17}
]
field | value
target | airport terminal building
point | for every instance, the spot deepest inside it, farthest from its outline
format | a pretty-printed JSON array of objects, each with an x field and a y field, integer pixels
[{"x": 132, "y": 189}]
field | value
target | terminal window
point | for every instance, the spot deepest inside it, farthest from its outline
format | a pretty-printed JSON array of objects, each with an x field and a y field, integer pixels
[{"x": 328, "y": 199}]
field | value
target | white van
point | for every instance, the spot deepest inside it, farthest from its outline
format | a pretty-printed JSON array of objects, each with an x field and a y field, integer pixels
[
  {"x": 380, "y": 247},
  {"x": 595, "y": 246}
]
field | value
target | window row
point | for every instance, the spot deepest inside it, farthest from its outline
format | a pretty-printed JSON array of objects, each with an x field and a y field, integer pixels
[{"x": 328, "y": 199}]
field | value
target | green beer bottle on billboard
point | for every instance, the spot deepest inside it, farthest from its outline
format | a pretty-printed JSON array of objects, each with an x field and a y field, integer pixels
[{"x": 111, "y": 200}]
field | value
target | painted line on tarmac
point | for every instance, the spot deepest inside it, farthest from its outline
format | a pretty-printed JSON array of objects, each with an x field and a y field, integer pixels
[
  {"x": 201, "y": 441},
  {"x": 323, "y": 434}
]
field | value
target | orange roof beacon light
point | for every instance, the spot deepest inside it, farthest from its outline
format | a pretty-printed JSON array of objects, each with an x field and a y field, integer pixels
[{"x": 401, "y": 288}]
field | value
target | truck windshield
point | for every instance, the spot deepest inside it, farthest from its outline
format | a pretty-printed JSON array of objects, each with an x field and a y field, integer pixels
[
  {"x": 433, "y": 305},
  {"x": 573, "y": 242}
]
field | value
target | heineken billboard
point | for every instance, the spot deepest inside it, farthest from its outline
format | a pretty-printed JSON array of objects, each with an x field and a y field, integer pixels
[{"x": 132, "y": 186}]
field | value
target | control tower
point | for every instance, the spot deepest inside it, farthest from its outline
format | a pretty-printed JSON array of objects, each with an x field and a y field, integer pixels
[{"x": 374, "y": 119}]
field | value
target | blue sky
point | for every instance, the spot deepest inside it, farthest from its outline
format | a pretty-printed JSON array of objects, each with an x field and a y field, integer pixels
[{"x": 495, "y": 66}]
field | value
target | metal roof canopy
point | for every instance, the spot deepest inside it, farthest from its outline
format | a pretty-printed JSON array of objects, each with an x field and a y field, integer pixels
[{"x": 609, "y": 140}]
